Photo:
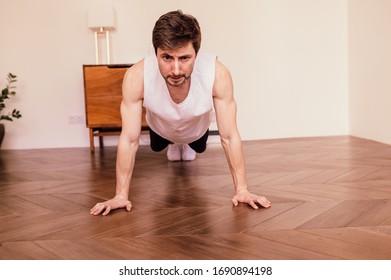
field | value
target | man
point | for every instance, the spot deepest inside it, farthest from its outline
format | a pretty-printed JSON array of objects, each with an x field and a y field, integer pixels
[{"x": 178, "y": 86}]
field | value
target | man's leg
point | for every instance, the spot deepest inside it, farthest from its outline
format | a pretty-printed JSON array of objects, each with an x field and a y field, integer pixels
[
  {"x": 199, "y": 146},
  {"x": 158, "y": 143},
  {"x": 177, "y": 152}
]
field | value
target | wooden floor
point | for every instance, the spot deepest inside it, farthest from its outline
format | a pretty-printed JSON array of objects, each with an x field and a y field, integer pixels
[{"x": 331, "y": 200}]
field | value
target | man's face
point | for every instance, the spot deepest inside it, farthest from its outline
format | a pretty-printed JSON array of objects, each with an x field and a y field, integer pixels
[{"x": 176, "y": 65}]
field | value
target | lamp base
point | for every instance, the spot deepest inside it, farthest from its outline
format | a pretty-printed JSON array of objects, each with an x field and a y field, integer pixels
[{"x": 97, "y": 48}]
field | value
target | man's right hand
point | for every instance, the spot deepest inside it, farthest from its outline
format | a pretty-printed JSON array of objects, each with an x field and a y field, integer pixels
[{"x": 115, "y": 203}]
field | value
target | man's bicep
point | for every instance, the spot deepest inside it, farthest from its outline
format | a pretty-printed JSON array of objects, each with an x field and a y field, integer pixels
[
  {"x": 224, "y": 102},
  {"x": 131, "y": 114},
  {"x": 131, "y": 105},
  {"x": 225, "y": 116}
]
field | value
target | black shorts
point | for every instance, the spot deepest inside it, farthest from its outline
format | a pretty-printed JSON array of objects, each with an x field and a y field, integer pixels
[{"x": 158, "y": 143}]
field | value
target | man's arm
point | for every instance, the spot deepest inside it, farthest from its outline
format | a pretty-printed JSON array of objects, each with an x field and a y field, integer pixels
[
  {"x": 225, "y": 107},
  {"x": 131, "y": 114}
]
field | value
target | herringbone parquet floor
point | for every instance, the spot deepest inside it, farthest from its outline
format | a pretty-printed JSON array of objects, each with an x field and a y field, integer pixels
[{"x": 331, "y": 200}]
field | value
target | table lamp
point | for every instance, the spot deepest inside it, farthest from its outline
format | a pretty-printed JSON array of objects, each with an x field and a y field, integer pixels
[{"x": 102, "y": 19}]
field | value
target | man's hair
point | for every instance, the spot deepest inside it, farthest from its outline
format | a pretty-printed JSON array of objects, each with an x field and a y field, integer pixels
[{"x": 176, "y": 29}]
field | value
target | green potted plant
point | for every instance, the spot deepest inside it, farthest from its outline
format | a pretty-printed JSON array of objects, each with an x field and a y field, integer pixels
[{"x": 6, "y": 93}]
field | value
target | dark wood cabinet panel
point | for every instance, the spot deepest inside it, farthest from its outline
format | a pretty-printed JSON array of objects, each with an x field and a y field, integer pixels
[{"x": 103, "y": 96}]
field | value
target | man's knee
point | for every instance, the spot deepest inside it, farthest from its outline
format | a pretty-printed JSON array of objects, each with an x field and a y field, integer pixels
[
  {"x": 158, "y": 148},
  {"x": 199, "y": 149},
  {"x": 200, "y": 145}
]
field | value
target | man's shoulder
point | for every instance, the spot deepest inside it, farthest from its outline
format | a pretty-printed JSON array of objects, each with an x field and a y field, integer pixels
[
  {"x": 133, "y": 83},
  {"x": 223, "y": 81},
  {"x": 222, "y": 71},
  {"x": 136, "y": 71}
]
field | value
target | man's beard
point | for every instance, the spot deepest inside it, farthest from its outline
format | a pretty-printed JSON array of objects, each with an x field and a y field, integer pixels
[{"x": 178, "y": 83}]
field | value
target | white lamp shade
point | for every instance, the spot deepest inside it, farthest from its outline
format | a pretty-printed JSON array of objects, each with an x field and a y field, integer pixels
[{"x": 102, "y": 14}]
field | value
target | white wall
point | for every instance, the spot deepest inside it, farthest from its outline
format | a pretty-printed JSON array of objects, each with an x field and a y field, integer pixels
[
  {"x": 370, "y": 69},
  {"x": 293, "y": 78},
  {"x": 288, "y": 59}
]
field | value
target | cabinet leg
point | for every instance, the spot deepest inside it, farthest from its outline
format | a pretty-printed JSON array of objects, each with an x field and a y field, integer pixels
[
  {"x": 101, "y": 142},
  {"x": 92, "y": 147}
]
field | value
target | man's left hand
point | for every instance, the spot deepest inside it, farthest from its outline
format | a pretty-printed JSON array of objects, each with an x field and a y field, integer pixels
[{"x": 244, "y": 196}]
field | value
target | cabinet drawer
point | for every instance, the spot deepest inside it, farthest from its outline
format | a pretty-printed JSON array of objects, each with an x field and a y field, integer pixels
[
  {"x": 103, "y": 111},
  {"x": 103, "y": 80}
]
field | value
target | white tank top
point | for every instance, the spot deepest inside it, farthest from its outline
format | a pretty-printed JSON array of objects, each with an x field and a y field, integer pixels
[{"x": 187, "y": 121}]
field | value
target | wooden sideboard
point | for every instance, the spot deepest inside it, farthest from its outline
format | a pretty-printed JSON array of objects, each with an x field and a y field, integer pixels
[{"x": 103, "y": 96}]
